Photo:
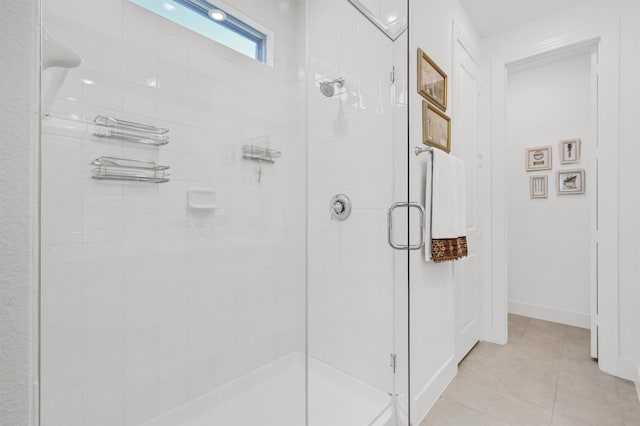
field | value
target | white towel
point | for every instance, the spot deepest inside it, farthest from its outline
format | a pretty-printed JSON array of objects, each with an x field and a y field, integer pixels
[{"x": 446, "y": 207}]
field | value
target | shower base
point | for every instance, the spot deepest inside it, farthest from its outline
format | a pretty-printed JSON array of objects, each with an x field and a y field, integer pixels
[{"x": 274, "y": 396}]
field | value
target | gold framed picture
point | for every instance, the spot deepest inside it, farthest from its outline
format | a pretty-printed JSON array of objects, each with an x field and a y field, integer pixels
[
  {"x": 436, "y": 128},
  {"x": 570, "y": 151},
  {"x": 432, "y": 81},
  {"x": 538, "y": 158},
  {"x": 538, "y": 186},
  {"x": 571, "y": 182}
]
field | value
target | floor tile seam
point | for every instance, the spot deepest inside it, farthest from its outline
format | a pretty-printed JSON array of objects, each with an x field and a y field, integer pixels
[
  {"x": 463, "y": 404},
  {"x": 582, "y": 398},
  {"x": 497, "y": 392}
]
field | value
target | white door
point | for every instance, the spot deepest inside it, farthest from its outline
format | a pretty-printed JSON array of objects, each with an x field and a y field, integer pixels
[
  {"x": 593, "y": 183},
  {"x": 466, "y": 272}
]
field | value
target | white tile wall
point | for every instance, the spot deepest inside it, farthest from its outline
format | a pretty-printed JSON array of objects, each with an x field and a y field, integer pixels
[
  {"x": 147, "y": 304},
  {"x": 357, "y": 141}
]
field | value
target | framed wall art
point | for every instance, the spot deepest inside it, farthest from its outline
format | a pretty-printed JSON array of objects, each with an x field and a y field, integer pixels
[
  {"x": 570, "y": 182},
  {"x": 538, "y": 186},
  {"x": 432, "y": 81},
  {"x": 570, "y": 151},
  {"x": 538, "y": 158},
  {"x": 436, "y": 128}
]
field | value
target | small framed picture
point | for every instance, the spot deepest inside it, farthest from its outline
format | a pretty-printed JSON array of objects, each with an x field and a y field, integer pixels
[
  {"x": 432, "y": 81},
  {"x": 538, "y": 186},
  {"x": 571, "y": 182},
  {"x": 539, "y": 158},
  {"x": 570, "y": 151},
  {"x": 436, "y": 128}
]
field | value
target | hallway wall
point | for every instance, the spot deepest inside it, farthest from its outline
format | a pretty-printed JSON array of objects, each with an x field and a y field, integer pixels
[
  {"x": 549, "y": 239},
  {"x": 578, "y": 20}
]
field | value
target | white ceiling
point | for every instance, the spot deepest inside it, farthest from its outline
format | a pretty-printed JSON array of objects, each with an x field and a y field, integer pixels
[{"x": 494, "y": 16}]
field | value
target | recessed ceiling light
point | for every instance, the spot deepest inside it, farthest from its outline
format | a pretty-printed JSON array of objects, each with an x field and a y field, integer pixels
[
  {"x": 217, "y": 15},
  {"x": 88, "y": 81},
  {"x": 168, "y": 6},
  {"x": 392, "y": 18}
]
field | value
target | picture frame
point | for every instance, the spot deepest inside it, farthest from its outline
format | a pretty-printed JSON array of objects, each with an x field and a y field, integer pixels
[
  {"x": 570, "y": 181},
  {"x": 436, "y": 128},
  {"x": 570, "y": 151},
  {"x": 538, "y": 158},
  {"x": 432, "y": 81},
  {"x": 539, "y": 186}
]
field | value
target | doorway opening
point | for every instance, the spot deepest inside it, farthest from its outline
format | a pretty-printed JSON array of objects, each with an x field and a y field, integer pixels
[{"x": 551, "y": 124}]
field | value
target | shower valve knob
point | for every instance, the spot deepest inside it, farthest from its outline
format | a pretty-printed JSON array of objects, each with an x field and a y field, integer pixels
[{"x": 340, "y": 207}]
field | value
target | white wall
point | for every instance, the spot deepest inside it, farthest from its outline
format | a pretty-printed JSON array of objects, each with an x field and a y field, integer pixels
[
  {"x": 432, "y": 306},
  {"x": 18, "y": 211},
  {"x": 581, "y": 19},
  {"x": 147, "y": 304},
  {"x": 549, "y": 240}
]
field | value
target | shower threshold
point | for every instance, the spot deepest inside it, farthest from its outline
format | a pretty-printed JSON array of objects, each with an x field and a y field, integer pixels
[{"x": 274, "y": 396}]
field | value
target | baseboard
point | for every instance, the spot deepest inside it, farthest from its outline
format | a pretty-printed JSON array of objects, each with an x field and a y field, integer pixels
[
  {"x": 429, "y": 394},
  {"x": 550, "y": 314},
  {"x": 627, "y": 369},
  {"x": 637, "y": 381},
  {"x": 492, "y": 334}
]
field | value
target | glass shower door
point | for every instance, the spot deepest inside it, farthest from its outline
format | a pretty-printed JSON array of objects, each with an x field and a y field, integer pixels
[
  {"x": 358, "y": 147},
  {"x": 215, "y": 223}
]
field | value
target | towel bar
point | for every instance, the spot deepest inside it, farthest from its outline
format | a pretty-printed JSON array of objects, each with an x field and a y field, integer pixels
[{"x": 422, "y": 149}]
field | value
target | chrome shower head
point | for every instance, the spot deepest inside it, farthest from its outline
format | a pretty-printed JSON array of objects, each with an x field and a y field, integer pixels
[{"x": 328, "y": 88}]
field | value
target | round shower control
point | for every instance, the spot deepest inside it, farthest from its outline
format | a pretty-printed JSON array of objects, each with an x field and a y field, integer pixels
[{"x": 340, "y": 207}]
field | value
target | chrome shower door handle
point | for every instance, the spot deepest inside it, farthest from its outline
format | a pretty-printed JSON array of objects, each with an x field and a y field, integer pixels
[{"x": 409, "y": 205}]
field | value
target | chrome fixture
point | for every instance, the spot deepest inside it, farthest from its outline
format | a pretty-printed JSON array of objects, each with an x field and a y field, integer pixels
[
  {"x": 108, "y": 127},
  {"x": 340, "y": 207},
  {"x": 423, "y": 223},
  {"x": 328, "y": 88},
  {"x": 423, "y": 228},
  {"x": 113, "y": 168},
  {"x": 258, "y": 153},
  {"x": 422, "y": 149}
]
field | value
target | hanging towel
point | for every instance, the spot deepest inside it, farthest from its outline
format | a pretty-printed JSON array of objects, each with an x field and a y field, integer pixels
[{"x": 445, "y": 201}]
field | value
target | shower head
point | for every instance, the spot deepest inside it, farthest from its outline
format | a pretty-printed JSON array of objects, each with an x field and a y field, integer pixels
[
  {"x": 328, "y": 88},
  {"x": 62, "y": 58},
  {"x": 56, "y": 54}
]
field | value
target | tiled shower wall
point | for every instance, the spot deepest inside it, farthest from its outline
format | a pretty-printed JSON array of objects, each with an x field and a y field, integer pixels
[
  {"x": 146, "y": 303},
  {"x": 357, "y": 146}
]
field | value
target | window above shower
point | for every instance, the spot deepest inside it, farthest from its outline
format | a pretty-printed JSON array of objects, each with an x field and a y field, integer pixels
[{"x": 218, "y": 22}]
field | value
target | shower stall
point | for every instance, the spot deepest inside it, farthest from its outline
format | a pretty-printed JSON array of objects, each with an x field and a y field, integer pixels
[{"x": 223, "y": 186}]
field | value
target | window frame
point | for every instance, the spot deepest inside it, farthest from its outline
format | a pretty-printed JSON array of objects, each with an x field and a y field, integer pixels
[
  {"x": 238, "y": 26},
  {"x": 236, "y": 22}
]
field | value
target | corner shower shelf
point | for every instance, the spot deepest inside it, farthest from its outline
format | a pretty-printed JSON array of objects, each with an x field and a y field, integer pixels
[
  {"x": 108, "y": 127},
  {"x": 113, "y": 168},
  {"x": 257, "y": 153}
]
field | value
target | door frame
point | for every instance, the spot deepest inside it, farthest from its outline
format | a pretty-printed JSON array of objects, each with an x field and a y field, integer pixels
[
  {"x": 606, "y": 38},
  {"x": 462, "y": 43}
]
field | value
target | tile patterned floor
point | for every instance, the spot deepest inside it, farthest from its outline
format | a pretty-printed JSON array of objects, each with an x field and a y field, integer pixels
[{"x": 544, "y": 376}]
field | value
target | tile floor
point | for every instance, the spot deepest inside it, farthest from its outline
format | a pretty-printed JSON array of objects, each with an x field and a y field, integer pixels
[{"x": 544, "y": 376}]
